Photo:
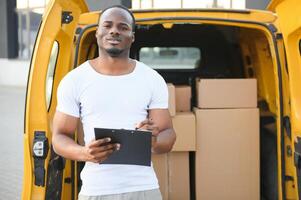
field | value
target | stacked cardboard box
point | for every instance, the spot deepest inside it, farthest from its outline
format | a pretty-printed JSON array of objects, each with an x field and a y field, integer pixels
[
  {"x": 227, "y": 149},
  {"x": 171, "y": 99},
  {"x": 179, "y": 98},
  {"x": 178, "y": 176},
  {"x": 183, "y": 98},
  {"x": 184, "y": 120},
  {"x": 161, "y": 168},
  {"x": 226, "y": 93},
  {"x": 172, "y": 169}
]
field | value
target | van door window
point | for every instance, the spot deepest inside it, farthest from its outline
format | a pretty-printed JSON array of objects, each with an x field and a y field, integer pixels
[
  {"x": 170, "y": 57},
  {"x": 50, "y": 72}
]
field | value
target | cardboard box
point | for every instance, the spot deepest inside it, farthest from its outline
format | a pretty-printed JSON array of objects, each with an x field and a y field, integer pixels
[
  {"x": 185, "y": 128},
  {"x": 161, "y": 168},
  {"x": 172, "y": 171},
  {"x": 171, "y": 99},
  {"x": 178, "y": 176},
  {"x": 183, "y": 98},
  {"x": 226, "y": 93},
  {"x": 227, "y": 154}
]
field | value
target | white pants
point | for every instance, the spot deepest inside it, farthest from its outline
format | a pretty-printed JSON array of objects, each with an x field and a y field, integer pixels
[{"x": 140, "y": 195}]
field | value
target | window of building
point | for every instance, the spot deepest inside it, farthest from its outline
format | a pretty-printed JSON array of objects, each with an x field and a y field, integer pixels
[
  {"x": 197, "y": 4},
  {"x": 147, "y": 4},
  {"x": 29, "y": 17}
]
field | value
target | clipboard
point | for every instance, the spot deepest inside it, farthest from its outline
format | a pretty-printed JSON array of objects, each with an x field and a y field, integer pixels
[{"x": 135, "y": 146}]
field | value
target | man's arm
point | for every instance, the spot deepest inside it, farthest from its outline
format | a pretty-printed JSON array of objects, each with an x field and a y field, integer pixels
[
  {"x": 64, "y": 127},
  {"x": 159, "y": 122}
]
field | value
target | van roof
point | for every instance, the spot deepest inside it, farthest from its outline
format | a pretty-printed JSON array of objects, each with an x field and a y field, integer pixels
[{"x": 186, "y": 14}]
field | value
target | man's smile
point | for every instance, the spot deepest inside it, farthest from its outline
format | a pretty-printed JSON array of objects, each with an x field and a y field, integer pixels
[{"x": 114, "y": 41}]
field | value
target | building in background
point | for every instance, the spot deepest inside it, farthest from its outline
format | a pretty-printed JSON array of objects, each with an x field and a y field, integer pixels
[
  {"x": 8, "y": 31},
  {"x": 257, "y": 4},
  {"x": 29, "y": 14},
  {"x": 29, "y": 17},
  {"x": 148, "y": 4}
]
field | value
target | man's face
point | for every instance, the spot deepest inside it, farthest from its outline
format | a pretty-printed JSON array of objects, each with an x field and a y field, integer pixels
[{"x": 114, "y": 33}]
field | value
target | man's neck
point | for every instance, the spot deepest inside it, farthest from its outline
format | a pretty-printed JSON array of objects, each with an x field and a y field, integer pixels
[{"x": 113, "y": 66}]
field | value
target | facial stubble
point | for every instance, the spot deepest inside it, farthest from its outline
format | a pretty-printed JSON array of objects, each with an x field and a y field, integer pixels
[{"x": 114, "y": 52}]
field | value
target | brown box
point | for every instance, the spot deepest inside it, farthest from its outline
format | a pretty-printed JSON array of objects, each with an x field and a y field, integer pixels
[
  {"x": 179, "y": 185},
  {"x": 226, "y": 93},
  {"x": 172, "y": 171},
  {"x": 227, "y": 154},
  {"x": 183, "y": 98},
  {"x": 185, "y": 128},
  {"x": 161, "y": 168},
  {"x": 171, "y": 99}
]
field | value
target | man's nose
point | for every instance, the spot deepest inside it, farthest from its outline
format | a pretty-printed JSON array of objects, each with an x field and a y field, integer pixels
[{"x": 114, "y": 30}]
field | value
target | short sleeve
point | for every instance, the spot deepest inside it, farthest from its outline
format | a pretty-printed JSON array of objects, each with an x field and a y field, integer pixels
[
  {"x": 159, "y": 93},
  {"x": 66, "y": 98}
]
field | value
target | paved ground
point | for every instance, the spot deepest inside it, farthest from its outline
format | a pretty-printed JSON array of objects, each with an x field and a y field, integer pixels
[{"x": 12, "y": 101}]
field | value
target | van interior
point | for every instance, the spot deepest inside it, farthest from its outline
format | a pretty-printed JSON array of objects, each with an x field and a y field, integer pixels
[{"x": 183, "y": 52}]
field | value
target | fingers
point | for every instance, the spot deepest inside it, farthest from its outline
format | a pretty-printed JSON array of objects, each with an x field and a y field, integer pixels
[
  {"x": 97, "y": 143},
  {"x": 102, "y": 156},
  {"x": 99, "y": 150},
  {"x": 150, "y": 127},
  {"x": 103, "y": 148},
  {"x": 144, "y": 122}
]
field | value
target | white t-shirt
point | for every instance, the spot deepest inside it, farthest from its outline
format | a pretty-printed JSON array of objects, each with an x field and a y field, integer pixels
[{"x": 112, "y": 102}]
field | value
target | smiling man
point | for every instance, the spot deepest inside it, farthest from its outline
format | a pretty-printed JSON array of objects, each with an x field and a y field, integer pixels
[{"x": 113, "y": 91}]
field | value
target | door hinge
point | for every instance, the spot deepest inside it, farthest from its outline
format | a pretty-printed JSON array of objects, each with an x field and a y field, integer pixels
[
  {"x": 67, "y": 180},
  {"x": 66, "y": 17},
  {"x": 273, "y": 28},
  {"x": 289, "y": 151},
  {"x": 279, "y": 36},
  {"x": 289, "y": 178},
  {"x": 59, "y": 163},
  {"x": 287, "y": 126}
]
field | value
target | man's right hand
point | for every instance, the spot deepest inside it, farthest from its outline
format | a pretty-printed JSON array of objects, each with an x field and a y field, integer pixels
[{"x": 99, "y": 150}]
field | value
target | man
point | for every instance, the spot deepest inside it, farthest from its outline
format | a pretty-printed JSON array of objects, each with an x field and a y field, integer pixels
[{"x": 113, "y": 91}]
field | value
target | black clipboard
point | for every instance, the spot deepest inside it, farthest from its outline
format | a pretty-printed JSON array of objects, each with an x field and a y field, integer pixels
[{"x": 135, "y": 146}]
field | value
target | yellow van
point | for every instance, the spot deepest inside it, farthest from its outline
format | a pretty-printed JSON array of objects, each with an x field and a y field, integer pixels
[{"x": 182, "y": 45}]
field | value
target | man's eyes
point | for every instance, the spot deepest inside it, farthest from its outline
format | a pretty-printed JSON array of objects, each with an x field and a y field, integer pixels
[
  {"x": 107, "y": 25},
  {"x": 122, "y": 27}
]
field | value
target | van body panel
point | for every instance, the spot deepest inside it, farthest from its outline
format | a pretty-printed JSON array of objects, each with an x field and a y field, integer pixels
[
  {"x": 226, "y": 14},
  {"x": 57, "y": 27},
  {"x": 273, "y": 4},
  {"x": 289, "y": 22},
  {"x": 290, "y": 26},
  {"x": 144, "y": 18},
  {"x": 257, "y": 39}
]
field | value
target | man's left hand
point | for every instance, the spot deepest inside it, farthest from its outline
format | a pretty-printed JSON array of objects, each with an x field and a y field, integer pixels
[
  {"x": 160, "y": 124},
  {"x": 149, "y": 125}
]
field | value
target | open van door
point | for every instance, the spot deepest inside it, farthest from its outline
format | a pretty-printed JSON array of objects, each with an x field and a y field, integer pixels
[
  {"x": 46, "y": 175},
  {"x": 289, "y": 21}
]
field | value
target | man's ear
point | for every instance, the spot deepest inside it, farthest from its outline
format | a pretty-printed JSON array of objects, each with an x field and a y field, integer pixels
[{"x": 96, "y": 32}]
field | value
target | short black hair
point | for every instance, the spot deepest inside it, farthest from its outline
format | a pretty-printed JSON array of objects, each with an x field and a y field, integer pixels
[{"x": 121, "y": 7}]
